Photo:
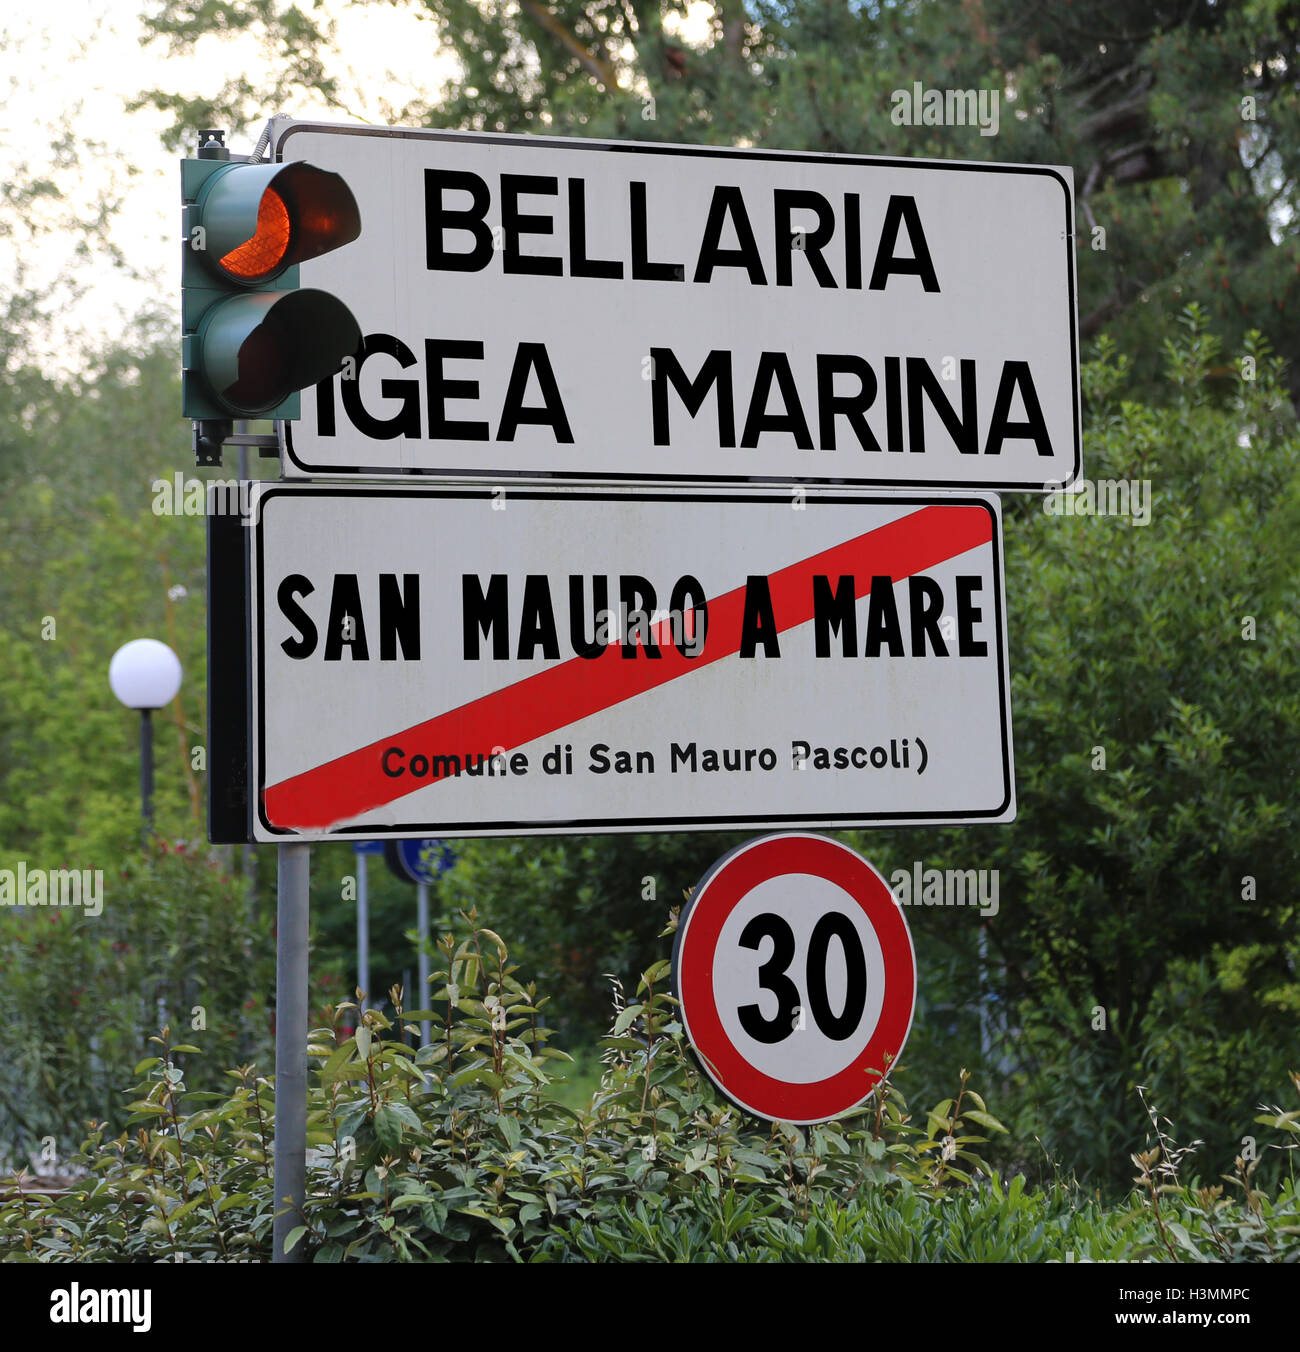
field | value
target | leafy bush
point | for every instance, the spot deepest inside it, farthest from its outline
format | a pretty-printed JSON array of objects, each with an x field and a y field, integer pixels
[
  {"x": 174, "y": 943},
  {"x": 906, "y": 1224},
  {"x": 578, "y": 908},
  {"x": 457, "y": 1151},
  {"x": 1147, "y": 924}
]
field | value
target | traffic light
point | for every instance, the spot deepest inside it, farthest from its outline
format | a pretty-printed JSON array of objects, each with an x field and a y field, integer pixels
[{"x": 252, "y": 337}]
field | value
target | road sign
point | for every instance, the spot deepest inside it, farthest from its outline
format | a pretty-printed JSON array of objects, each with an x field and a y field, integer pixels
[
  {"x": 614, "y": 311},
  {"x": 796, "y": 976},
  {"x": 455, "y": 661},
  {"x": 418, "y": 861}
]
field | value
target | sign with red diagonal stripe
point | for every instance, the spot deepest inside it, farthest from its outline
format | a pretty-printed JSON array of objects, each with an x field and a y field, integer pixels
[{"x": 500, "y": 662}]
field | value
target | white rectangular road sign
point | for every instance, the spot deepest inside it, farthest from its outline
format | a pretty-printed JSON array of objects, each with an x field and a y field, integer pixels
[
  {"x": 454, "y": 661},
  {"x": 631, "y": 312}
]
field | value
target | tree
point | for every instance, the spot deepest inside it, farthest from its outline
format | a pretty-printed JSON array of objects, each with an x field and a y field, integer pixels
[
  {"x": 1180, "y": 120},
  {"x": 1147, "y": 933}
]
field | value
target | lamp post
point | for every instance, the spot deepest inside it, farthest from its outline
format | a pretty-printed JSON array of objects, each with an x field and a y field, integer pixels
[{"x": 145, "y": 675}]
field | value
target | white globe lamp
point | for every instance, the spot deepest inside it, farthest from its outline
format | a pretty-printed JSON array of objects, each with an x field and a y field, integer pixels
[{"x": 145, "y": 675}]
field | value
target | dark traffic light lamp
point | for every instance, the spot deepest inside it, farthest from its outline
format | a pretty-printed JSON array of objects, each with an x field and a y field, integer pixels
[{"x": 252, "y": 338}]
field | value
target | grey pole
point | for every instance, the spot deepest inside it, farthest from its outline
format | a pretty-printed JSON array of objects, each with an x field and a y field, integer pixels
[
  {"x": 158, "y": 1013},
  {"x": 986, "y": 1038},
  {"x": 363, "y": 932},
  {"x": 146, "y": 772},
  {"x": 422, "y": 922},
  {"x": 292, "y": 914},
  {"x": 250, "y": 881}
]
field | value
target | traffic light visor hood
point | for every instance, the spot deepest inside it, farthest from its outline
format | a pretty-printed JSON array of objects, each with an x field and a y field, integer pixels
[{"x": 260, "y": 219}]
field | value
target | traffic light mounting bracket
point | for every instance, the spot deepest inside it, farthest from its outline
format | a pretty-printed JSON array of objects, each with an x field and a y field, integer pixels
[{"x": 211, "y": 435}]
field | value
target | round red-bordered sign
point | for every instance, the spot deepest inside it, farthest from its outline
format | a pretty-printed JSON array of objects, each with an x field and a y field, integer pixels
[{"x": 796, "y": 976}]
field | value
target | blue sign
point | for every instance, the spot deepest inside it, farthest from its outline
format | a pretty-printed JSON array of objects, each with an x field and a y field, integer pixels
[
  {"x": 368, "y": 847},
  {"x": 419, "y": 861}
]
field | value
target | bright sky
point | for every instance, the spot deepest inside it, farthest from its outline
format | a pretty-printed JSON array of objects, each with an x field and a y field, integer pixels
[{"x": 74, "y": 64}]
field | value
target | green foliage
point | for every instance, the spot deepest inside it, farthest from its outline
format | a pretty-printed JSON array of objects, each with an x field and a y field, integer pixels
[
  {"x": 1151, "y": 873},
  {"x": 457, "y": 1152},
  {"x": 86, "y": 564},
  {"x": 580, "y": 907},
  {"x": 291, "y": 35},
  {"x": 905, "y": 1224},
  {"x": 174, "y": 941}
]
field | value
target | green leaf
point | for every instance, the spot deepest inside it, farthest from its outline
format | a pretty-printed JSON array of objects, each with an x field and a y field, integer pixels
[
  {"x": 524, "y": 1064},
  {"x": 655, "y": 973},
  {"x": 184, "y": 1210},
  {"x": 496, "y": 939},
  {"x": 292, "y": 1238},
  {"x": 480, "y": 1075},
  {"x": 626, "y": 1019},
  {"x": 1179, "y": 1232},
  {"x": 986, "y": 1120},
  {"x": 388, "y": 1128},
  {"x": 624, "y": 1044},
  {"x": 334, "y": 1068},
  {"x": 414, "y": 1199},
  {"x": 509, "y": 1128},
  {"x": 407, "y": 1115}
]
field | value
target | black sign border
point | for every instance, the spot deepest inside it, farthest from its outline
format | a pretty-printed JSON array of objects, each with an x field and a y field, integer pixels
[
  {"x": 716, "y": 152},
  {"x": 608, "y": 825},
  {"x": 229, "y": 679}
]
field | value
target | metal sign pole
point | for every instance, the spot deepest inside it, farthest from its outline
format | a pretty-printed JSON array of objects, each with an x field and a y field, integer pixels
[
  {"x": 363, "y": 932},
  {"x": 146, "y": 773},
  {"x": 422, "y": 923},
  {"x": 292, "y": 914}
]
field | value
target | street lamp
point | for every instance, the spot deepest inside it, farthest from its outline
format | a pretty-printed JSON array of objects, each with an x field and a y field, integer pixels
[{"x": 145, "y": 674}]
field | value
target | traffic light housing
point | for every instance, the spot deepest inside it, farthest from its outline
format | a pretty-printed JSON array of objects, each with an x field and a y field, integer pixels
[{"x": 252, "y": 338}]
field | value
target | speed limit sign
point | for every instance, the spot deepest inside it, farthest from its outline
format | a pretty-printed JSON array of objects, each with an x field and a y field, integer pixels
[{"x": 795, "y": 972}]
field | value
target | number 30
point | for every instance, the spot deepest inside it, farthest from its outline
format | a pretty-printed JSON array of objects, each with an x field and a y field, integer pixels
[{"x": 772, "y": 977}]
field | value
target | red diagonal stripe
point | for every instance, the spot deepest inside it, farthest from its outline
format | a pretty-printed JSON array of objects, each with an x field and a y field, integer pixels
[{"x": 558, "y": 696}]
